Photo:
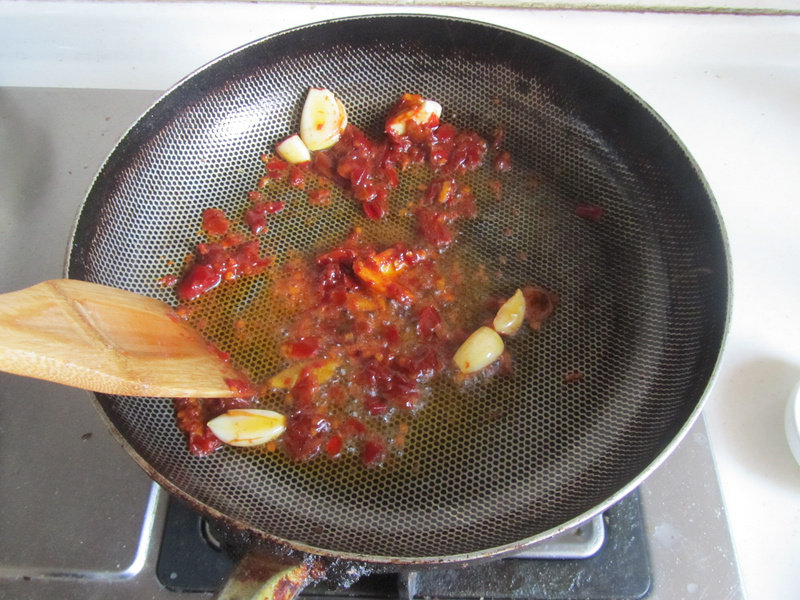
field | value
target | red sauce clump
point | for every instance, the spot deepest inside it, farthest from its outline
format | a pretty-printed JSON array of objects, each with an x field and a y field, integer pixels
[
  {"x": 378, "y": 315},
  {"x": 216, "y": 262},
  {"x": 215, "y": 222},
  {"x": 228, "y": 258}
]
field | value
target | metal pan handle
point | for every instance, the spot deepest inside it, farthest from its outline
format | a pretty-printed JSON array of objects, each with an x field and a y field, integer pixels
[{"x": 260, "y": 576}]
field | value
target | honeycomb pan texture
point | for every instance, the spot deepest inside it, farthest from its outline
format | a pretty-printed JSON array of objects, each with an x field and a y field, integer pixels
[{"x": 643, "y": 292}]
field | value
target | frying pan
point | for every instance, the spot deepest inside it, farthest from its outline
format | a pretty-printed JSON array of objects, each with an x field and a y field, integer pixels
[{"x": 643, "y": 291}]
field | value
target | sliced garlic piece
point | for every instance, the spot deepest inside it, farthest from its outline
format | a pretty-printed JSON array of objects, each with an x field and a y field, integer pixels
[
  {"x": 293, "y": 150},
  {"x": 248, "y": 426},
  {"x": 511, "y": 315},
  {"x": 323, "y": 119},
  {"x": 479, "y": 350}
]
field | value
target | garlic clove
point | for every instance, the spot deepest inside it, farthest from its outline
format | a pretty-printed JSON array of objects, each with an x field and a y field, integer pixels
[
  {"x": 293, "y": 150},
  {"x": 323, "y": 119},
  {"x": 511, "y": 315},
  {"x": 431, "y": 107},
  {"x": 246, "y": 427},
  {"x": 479, "y": 350}
]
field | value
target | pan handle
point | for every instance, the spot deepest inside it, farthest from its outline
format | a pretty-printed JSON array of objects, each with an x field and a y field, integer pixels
[{"x": 262, "y": 577}]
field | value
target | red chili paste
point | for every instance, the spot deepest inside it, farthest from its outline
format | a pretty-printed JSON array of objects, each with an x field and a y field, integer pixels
[
  {"x": 387, "y": 319},
  {"x": 371, "y": 326}
]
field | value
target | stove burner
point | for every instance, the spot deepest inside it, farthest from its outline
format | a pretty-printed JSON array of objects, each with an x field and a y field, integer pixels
[{"x": 602, "y": 559}]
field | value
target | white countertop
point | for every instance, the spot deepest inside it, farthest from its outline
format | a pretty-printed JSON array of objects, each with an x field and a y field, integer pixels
[{"x": 729, "y": 85}]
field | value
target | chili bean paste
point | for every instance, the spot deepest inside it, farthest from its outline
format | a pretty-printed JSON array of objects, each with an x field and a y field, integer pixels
[{"x": 369, "y": 326}]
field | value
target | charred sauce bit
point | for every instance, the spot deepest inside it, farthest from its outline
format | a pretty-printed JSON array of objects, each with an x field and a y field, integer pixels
[
  {"x": 540, "y": 305},
  {"x": 590, "y": 212}
]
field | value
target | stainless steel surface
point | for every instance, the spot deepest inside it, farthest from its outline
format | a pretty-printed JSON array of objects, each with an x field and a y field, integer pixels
[
  {"x": 92, "y": 523},
  {"x": 580, "y": 542},
  {"x": 56, "y": 457}
]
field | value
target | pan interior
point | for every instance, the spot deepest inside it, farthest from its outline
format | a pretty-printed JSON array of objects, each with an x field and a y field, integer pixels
[{"x": 642, "y": 291}]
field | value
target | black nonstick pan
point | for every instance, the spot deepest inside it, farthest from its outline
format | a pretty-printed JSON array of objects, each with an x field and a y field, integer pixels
[{"x": 643, "y": 290}]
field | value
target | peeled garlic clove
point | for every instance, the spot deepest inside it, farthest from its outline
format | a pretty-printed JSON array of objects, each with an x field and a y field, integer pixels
[
  {"x": 293, "y": 150},
  {"x": 511, "y": 315},
  {"x": 323, "y": 119},
  {"x": 247, "y": 426},
  {"x": 479, "y": 350}
]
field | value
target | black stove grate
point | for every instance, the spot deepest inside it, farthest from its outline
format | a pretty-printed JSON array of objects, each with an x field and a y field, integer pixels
[{"x": 189, "y": 562}]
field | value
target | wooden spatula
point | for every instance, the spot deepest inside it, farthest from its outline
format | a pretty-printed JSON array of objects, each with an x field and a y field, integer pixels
[{"x": 107, "y": 340}]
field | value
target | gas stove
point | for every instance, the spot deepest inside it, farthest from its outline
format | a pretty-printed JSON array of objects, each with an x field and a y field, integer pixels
[
  {"x": 606, "y": 557},
  {"x": 81, "y": 520}
]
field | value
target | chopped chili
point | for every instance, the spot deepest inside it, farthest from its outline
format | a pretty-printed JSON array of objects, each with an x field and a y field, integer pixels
[
  {"x": 370, "y": 324},
  {"x": 216, "y": 262}
]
